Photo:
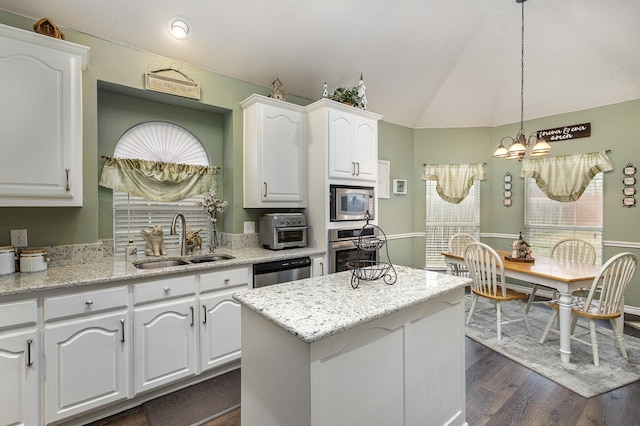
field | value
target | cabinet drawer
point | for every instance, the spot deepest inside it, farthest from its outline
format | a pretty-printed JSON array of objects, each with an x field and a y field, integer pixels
[
  {"x": 18, "y": 313},
  {"x": 85, "y": 303},
  {"x": 224, "y": 279},
  {"x": 166, "y": 288}
]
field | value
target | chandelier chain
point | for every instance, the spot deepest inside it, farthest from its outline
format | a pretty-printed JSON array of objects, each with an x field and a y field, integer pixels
[{"x": 522, "y": 74}]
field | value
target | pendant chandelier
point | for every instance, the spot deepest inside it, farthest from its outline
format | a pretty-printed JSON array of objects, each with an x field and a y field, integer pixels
[{"x": 518, "y": 147}]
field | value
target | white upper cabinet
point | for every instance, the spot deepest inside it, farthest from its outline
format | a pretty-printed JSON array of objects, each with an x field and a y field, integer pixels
[
  {"x": 353, "y": 146},
  {"x": 351, "y": 136},
  {"x": 275, "y": 153},
  {"x": 41, "y": 119}
]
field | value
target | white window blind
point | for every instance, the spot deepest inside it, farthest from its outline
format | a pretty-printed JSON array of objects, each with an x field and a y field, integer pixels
[
  {"x": 445, "y": 219},
  {"x": 547, "y": 221},
  {"x": 131, "y": 214}
]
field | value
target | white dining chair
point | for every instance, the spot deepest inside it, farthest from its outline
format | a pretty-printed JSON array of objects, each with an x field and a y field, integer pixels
[
  {"x": 569, "y": 249},
  {"x": 457, "y": 243},
  {"x": 486, "y": 270},
  {"x": 602, "y": 303}
]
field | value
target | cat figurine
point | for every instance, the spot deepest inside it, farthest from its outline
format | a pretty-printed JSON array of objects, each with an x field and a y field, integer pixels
[
  {"x": 194, "y": 241},
  {"x": 155, "y": 241}
]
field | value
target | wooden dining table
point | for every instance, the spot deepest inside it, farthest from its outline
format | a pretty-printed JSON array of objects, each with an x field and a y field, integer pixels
[{"x": 564, "y": 276}]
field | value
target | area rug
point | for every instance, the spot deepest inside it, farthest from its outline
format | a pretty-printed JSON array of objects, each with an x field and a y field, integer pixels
[
  {"x": 196, "y": 404},
  {"x": 581, "y": 376}
]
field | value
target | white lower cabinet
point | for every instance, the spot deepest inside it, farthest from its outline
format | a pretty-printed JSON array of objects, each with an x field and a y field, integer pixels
[
  {"x": 86, "y": 350},
  {"x": 220, "y": 320},
  {"x": 19, "y": 364},
  {"x": 405, "y": 368},
  {"x": 318, "y": 266},
  {"x": 102, "y": 347},
  {"x": 165, "y": 332},
  {"x": 220, "y": 329}
]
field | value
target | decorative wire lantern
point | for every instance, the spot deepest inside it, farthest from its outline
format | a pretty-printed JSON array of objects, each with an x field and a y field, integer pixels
[{"x": 371, "y": 270}]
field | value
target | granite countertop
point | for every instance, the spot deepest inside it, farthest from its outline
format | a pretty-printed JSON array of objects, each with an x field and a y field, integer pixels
[
  {"x": 114, "y": 269},
  {"x": 319, "y": 307}
]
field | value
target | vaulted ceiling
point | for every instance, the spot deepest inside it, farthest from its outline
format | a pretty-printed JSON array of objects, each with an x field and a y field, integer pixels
[{"x": 426, "y": 63}]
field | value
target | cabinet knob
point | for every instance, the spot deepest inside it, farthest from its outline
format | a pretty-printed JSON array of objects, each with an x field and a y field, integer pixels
[
  {"x": 89, "y": 302},
  {"x": 167, "y": 289},
  {"x": 226, "y": 280}
]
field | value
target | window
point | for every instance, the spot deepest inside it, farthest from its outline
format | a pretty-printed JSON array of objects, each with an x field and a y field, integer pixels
[
  {"x": 131, "y": 214},
  {"x": 162, "y": 142},
  {"x": 547, "y": 221},
  {"x": 443, "y": 219}
]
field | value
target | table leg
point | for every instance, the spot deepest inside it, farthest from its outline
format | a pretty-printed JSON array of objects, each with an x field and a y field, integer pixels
[{"x": 564, "y": 317}]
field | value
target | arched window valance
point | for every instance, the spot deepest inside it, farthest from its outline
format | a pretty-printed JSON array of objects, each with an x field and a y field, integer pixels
[
  {"x": 565, "y": 178},
  {"x": 155, "y": 180},
  {"x": 454, "y": 180},
  {"x": 159, "y": 161}
]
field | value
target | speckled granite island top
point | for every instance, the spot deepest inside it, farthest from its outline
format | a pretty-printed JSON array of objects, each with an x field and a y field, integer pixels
[
  {"x": 116, "y": 269},
  {"x": 315, "y": 308}
]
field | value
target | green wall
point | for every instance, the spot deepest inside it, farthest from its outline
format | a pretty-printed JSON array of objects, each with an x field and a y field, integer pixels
[
  {"x": 395, "y": 215},
  {"x": 613, "y": 127},
  {"x": 114, "y": 80}
]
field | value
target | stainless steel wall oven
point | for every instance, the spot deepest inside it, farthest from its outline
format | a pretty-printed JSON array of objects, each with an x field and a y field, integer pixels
[{"x": 342, "y": 248}]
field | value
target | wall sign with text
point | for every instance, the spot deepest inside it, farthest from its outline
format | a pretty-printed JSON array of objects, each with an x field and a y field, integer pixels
[{"x": 573, "y": 131}]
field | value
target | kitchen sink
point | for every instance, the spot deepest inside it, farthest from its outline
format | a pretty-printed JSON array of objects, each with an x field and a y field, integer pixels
[
  {"x": 211, "y": 258},
  {"x": 153, "y": 264}
]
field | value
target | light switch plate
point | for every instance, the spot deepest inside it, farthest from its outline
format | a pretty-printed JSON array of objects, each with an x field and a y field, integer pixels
[
  {"x": 19, "y": 238},
  {"x": 249, "y": 227}
]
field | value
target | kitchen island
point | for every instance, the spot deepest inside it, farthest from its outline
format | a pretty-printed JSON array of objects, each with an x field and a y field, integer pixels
[{"x": 318, "y": 352}]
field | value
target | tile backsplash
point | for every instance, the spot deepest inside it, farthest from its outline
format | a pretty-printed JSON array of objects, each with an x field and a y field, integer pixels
[{"x": 78, "y": 254}]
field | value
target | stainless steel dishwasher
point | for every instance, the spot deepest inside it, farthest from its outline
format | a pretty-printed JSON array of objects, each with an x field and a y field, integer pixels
[{"x": 281, "y": 271}]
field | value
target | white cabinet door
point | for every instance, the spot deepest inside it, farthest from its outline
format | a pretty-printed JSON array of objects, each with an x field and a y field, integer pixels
[
  {"x": 275, "y": 153},
  {"x": 318, "y": 266},
  {"x": 341, "y": 144},
  {"x": 19, "y": 372},
  {"x": 220, "y": 329},
  {"x": 41, "y": 120},
  {"x": 353, "y": 146},
  {"x": 87, "y": 364},
  {"x": 365, "y": 148},
  {"x": 164, "y": 343}
]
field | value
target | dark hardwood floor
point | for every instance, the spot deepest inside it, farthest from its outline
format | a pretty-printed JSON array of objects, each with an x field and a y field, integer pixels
[{"x": 503, "y": 392}]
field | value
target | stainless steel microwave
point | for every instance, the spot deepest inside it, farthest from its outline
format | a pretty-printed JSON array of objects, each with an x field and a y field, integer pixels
[{"x": 351, "y": 203}]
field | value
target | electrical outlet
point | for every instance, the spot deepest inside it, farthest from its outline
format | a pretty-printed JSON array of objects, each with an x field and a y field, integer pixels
[
  {"x": 249, "y": 227},
  {"x": 19, "y": 237}
]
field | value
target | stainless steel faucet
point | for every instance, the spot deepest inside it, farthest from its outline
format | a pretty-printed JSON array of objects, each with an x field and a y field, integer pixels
[{"x": 183, "y": 239}]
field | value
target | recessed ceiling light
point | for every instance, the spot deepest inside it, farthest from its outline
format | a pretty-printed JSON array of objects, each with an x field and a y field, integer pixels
[{"x": 179, "y": 27}]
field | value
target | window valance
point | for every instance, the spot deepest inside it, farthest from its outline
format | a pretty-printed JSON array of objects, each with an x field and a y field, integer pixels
[
  {"x": 454, "y": 180},
  {"x": 565, "y": 178},
  {"x": 157, "y": 180}
]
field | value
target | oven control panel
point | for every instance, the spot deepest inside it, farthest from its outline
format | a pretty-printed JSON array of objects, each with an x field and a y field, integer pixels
[{"x": 283, "y": 220}]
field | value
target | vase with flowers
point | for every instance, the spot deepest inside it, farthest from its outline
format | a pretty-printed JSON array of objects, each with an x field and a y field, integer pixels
[{"x": 212, "y": 205}]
